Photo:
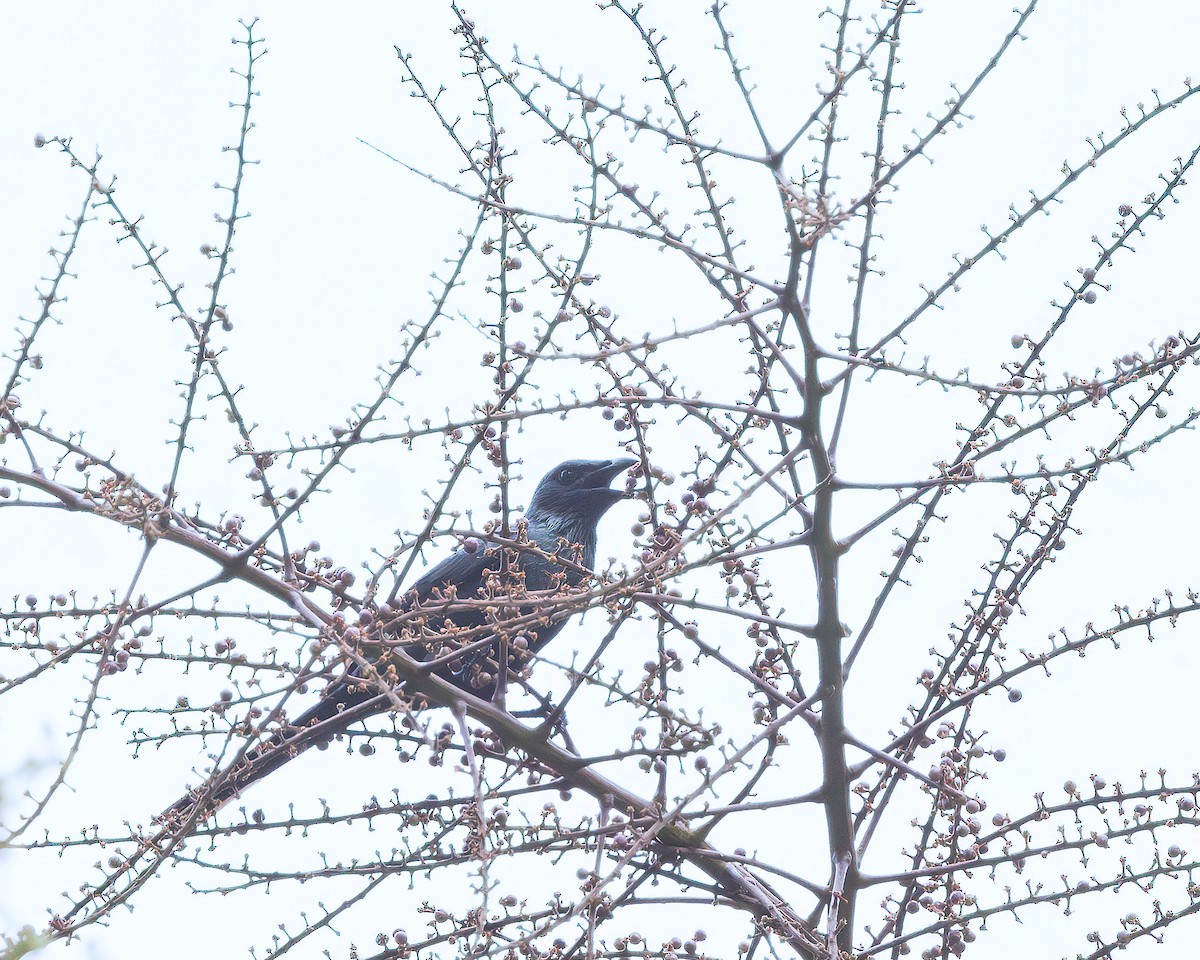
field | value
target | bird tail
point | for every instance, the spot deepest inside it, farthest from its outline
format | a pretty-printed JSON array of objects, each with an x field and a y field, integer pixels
[{"x": 341, "y": 705}]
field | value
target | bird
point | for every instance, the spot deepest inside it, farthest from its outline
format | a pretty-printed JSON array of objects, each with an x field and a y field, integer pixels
[{"x": 489, "y": 600}]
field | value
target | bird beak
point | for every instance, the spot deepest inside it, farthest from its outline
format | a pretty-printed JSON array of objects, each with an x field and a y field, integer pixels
[{"x": 603, "y": 473}]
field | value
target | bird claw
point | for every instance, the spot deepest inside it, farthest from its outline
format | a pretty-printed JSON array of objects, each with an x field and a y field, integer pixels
[{"x": 554, "y": 721}]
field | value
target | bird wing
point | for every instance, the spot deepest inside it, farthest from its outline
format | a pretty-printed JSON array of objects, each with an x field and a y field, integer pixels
[
  {"x": 462, "y": 576},
  {"x": 465, "y": 571}
]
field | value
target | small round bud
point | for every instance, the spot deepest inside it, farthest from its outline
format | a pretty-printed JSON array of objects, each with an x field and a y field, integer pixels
[
  {"x": 1089, "y": 296},
  {"x": 1017, "y": 339},
  {"x": 1014, "y": 696},
  {"x": 39, "y": 140}
]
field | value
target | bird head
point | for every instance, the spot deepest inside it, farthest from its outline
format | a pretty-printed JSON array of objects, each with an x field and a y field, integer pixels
[{"x": 577, "y": 492}]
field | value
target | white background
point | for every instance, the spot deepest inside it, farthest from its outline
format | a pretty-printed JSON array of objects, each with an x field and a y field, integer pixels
[{"x": 337, "y": 256}]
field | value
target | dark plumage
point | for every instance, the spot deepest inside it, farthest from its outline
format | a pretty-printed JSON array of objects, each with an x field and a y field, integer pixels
[{"x": 435, "y": 617}]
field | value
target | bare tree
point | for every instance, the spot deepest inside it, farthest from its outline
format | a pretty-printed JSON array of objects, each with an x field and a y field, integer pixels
[{"x": 686, "y": 771}]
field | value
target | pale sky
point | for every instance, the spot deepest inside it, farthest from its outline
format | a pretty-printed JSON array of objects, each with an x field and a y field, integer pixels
[{"x": 337, "y": 256}]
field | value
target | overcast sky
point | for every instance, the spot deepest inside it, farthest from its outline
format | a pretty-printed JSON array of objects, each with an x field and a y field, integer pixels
[{"x": 338, "y": 253}]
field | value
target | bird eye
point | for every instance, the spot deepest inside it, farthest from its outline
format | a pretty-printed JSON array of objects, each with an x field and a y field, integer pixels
[{"x": 566, "y": 476}]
